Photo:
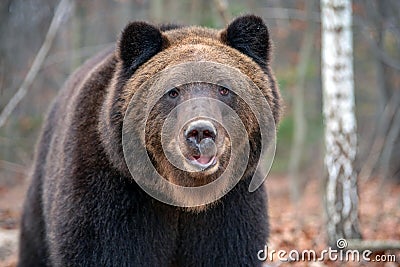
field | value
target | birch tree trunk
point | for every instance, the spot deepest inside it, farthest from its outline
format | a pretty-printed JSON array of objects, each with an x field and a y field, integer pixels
[{"x": 340, "y": 122}]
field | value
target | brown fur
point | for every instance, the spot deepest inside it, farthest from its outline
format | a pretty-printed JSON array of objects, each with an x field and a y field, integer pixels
[
  {"x": 84, "y": 209},
  {"x": 184, "y": 45}
]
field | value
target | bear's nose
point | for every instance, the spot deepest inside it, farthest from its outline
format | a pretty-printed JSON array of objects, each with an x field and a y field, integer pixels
[{"x": 199, "y": 130}]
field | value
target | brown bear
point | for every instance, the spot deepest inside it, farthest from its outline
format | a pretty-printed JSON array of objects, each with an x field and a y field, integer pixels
[{"x": 83, "y": 208}]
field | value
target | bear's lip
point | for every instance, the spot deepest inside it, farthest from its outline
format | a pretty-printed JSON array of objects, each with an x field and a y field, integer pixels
[{"x": 203, "y": 161}]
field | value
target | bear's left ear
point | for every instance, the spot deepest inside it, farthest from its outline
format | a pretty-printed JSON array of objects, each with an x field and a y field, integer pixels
[
  {"x": 249, "y": 35},
  {"x": 139, "y": 41}
]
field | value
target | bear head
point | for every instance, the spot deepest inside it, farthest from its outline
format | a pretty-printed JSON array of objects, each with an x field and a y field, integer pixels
[{"x": 203, "y": 144}]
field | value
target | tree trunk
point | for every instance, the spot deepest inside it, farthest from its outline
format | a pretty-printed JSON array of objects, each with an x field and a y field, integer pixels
[{"x": 340, "y": 122}]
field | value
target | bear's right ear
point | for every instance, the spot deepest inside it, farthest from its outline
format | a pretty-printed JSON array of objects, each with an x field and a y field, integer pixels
[{"x": 139, "y": 41}]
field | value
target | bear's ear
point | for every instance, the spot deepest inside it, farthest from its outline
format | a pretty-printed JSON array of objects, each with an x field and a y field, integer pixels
[
  {"x": 139, "y": 41},
  {"x": 249, "y": 35}
]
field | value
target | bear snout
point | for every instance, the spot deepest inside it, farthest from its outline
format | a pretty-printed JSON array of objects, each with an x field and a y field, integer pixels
[
  {"x": 199, "y": 139},
  {"x": 198, "y": 130}
]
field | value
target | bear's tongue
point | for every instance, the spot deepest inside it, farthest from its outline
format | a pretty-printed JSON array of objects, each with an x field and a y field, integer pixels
[{"x": 202, "y": 159}]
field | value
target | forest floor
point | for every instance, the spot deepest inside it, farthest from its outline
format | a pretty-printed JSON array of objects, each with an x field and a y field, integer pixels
[
  {"x": 302, "y": 226},
  {"x": 292, "y": 227}
]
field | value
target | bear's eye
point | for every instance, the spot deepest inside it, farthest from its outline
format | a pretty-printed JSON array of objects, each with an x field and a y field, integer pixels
[
  {"x": 173, "y": 93},
  {"x": 224, "y": 91}
]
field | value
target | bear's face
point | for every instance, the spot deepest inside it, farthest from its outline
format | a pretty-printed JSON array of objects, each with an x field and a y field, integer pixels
[
  {"x": 203, "y": 143},
  {"x": 200, "y": 143}
]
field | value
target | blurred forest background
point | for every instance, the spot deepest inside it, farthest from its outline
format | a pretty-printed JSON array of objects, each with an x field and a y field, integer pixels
[{"x": 90, "y": 26}]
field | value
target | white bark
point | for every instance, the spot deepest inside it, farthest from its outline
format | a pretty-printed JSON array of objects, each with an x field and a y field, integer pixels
[{"x": 340, "y": 122}]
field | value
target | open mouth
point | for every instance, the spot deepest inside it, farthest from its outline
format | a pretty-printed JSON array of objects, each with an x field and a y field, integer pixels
[{"x": 203, "y": 162}]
